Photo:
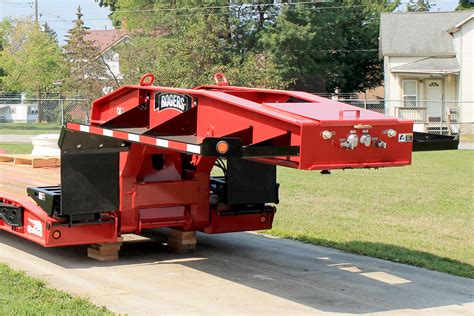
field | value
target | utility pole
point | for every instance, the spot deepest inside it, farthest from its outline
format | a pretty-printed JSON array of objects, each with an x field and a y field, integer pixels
[
  {"x": 40, "y": 108},
  {"x": 36, "y": 13}
]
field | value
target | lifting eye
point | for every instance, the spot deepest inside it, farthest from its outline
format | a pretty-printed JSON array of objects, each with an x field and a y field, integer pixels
[
  {"x": 220, "y": 79},
  {"x": 222, "y": 147}
]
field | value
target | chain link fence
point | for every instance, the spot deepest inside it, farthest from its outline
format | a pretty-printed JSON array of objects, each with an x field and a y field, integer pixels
[
  {"x": 430, "y": 116},
  {"x": 440, "y": 117},
  {"x": 375, "y": 105},
  {"x": 54, "y": 111}
]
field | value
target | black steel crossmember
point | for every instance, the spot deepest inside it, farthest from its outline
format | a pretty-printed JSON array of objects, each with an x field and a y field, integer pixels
[
  {"x": 428, "y": 141},
  {"x": 48, "y": 198},
  {"x": 12, "y": 215}
]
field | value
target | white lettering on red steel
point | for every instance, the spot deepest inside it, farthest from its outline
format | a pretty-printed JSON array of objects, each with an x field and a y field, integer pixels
[
  {"x": 175, "y": 101},
  {"x": 35, "y": 228}
]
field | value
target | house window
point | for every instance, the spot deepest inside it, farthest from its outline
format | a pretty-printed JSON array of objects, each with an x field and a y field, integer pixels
[
  {"x": 33, "y": 110},
  {"x": 409, "y": 93}
]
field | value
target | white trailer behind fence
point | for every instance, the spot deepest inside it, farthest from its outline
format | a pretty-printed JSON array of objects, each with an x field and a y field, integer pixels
[{"x": 53, "y": 110}]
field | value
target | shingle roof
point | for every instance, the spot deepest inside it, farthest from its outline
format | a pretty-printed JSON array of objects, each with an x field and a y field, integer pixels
[
  {"x": 105, "y": 39},
  {"x": 418, "y": 34},
  {"x": 430, "y": 65},
  {"x": 457, "y": 27}
]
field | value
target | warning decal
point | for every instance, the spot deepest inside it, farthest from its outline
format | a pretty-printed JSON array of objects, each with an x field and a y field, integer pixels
[{"x": 405, "y": 138}]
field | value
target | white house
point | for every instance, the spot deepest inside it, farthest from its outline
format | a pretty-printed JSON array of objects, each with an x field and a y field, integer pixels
[
  {"x": 428, "y": 69},
  {"x": 106, "y": 42}
]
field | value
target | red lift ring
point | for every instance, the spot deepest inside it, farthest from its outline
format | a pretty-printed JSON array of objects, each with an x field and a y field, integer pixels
[
  {"x": 220, "y": 79},
  {"x": 149, "y": 82}
]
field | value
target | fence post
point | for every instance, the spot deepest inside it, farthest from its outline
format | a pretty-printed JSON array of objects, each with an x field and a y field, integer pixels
[
  {"x": 442, "y": 116},
  {"x": 61, "y": 105}
]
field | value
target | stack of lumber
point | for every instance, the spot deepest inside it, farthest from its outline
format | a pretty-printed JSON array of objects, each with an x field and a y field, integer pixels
[
  {"x": 105, "y": 251},
  {"x": 34, "y": 161},
  {"x": 182, "y": 241}
]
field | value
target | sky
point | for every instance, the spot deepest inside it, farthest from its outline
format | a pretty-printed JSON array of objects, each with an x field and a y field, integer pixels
[{"x": 60, "y": 13}]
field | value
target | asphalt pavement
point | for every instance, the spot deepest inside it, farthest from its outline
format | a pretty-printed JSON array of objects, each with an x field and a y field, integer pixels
[{"x": 241, "y": 273}]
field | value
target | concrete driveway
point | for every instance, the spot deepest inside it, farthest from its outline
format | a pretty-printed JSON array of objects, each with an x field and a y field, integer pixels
[
  {"x": 6, "y": 138},
  {"x": 241, "y": 273},
  {"x": 466, "y": 145}
]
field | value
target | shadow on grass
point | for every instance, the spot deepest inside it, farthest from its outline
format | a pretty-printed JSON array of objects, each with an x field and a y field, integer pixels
[{"x": 393, "y": 253}]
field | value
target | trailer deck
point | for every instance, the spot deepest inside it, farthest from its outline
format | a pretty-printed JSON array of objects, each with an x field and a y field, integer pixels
[{"x": 16, "y": 178}]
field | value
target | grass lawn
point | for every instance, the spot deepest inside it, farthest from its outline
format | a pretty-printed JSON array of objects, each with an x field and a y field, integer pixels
[
  {"x": 422, "y": 214},
  {"x": 17, "y": 148},
  {"x": 29, "y": 128},
  {"x": 467, "y": 138},
  {"x": 22, "y": 295}
]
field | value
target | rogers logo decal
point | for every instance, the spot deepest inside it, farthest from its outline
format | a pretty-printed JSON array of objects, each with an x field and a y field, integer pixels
[
  {"x": 35, "y": 228},
  {"x": 175, "y": 101}
]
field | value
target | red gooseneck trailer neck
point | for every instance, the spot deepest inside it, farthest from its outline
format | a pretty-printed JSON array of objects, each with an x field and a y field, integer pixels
[{"x": 145, "y": 160}]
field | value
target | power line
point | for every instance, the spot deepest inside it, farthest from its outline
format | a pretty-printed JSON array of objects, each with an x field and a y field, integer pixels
[
  {"x": 56, "y": 16},
  {"x": 250, "y": 5},
  {"x": 17, "y": 4},
  {"x": 245, "y": 5},
  {"x": 207, "y": 14}
]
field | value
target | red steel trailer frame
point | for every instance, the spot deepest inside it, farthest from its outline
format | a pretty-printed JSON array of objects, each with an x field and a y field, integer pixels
[{"x": 146, "y": 158}]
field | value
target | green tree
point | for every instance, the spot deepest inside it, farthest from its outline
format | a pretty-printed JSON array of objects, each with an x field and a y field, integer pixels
[
  {"x": 32, "y": 61},
  {"x": 192, "y": 55},
  {"x": 137, "y": 57},
  {"x": 5, "y": 27},
  {"x": 309, "y": 46},
  {"x": 51, "y": 32},
  {"x": 243, "y": 21},
  {"x": 418, "y": 6},
  {"x": 465, "y": 5},
  {"x": 329, "y": 46},
  {"x": 197, "y": 39},
  {"x": 88, "y": 77}
]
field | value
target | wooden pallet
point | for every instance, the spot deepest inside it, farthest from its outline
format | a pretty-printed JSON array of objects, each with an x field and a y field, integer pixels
[{"x": 34, "y": 161}]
